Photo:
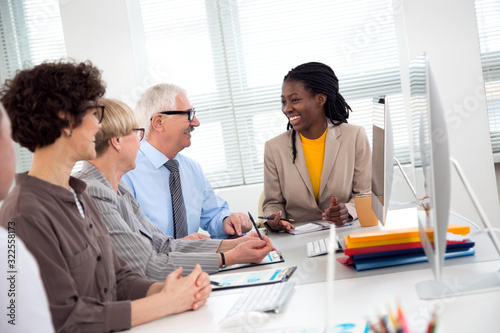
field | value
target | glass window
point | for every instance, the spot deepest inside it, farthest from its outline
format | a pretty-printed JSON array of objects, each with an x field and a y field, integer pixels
[
  {"x": 488, "y": 20},
  {"x": 231, "y": 56},
  {"x": 30, "y": 33}
]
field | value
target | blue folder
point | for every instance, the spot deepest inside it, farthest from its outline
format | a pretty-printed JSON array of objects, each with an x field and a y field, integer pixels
[
  {"x": 362, "y": 265},
  {"x": 401, "y": 252}
]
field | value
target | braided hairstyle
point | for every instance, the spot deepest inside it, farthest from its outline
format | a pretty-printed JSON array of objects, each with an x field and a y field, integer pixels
[{"x": 320, "y": 79}]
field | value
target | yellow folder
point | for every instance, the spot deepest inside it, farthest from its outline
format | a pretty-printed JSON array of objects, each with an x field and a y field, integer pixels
[
  {"x": 351, "y": 245},
  {"x": 394, "y": 234}
]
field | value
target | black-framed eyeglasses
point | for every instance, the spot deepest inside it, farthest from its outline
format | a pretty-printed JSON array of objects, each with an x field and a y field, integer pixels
[
  {"x": 189, "y": 113},
  {"x": 99, "y": 114},
  {"x": 139, "y": 132}
]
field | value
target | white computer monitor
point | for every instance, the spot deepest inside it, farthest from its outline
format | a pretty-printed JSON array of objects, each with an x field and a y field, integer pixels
[
  {"x": 432, "y": 157},
  {"x": 432, "y": 154},
  {"x": 382, "y": 158}
]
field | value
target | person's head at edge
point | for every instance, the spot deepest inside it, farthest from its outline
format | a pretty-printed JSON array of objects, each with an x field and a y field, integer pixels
[
  {"x": 54, "y": 103},
  {"x": 310, "y": 96},
  {"x": 119, "y": 135},
  {"x": 169, "y": 133},
  {"x": 8, "y": 160}
]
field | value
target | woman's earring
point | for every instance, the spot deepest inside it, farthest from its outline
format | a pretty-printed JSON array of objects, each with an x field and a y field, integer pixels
[{"x": 70, "y": 134}]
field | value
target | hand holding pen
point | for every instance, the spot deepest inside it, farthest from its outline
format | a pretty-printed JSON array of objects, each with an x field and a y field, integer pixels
[
  {"x": 255, "y": 226},
  {"x": 276, "y": 222}
]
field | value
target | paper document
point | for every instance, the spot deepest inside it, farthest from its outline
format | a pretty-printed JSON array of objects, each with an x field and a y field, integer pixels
[
  {"x": 246, "y": 279},
  {"x": 314, "y": 226}
]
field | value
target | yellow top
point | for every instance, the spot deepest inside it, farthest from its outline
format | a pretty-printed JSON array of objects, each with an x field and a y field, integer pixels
[{"x": 314, "y": 152}]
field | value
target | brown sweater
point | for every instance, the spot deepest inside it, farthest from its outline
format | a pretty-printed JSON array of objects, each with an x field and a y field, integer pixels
[{"x": 89, "y": 288}]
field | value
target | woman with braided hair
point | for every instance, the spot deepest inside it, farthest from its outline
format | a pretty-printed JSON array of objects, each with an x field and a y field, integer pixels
[{"x": 314, "y": 170}]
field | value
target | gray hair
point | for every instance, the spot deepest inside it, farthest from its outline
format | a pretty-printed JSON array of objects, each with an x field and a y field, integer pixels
[{"x": 160, "y": 97}]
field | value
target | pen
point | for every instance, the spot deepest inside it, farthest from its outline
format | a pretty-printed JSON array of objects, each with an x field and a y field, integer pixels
[
  {"x": 272, "y": 218},
  {"x": 215, "y": 283},
  {"x": 255, "y": 226}
]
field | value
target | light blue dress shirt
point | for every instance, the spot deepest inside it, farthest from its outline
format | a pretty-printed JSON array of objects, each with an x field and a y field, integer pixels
[{"x": 150, "y": 186}]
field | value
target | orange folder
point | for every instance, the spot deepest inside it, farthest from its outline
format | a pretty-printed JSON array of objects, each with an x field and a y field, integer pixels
[
  {"x": 351, "y": 245},
  {"x": 397, "y": 234}
]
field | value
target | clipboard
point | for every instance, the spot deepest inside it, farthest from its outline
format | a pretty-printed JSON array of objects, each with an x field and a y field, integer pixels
[
  {"x": 309, "y": 227},
  {"x": 272, "y": 257},
  {"x": 250, "y": 279}
]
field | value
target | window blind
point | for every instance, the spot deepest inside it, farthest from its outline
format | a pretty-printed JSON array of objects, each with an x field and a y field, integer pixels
[
  {"x": 231, "y": 56},
  {"x": 30, "y": 33},
  {"x": 488, "y": 20}
]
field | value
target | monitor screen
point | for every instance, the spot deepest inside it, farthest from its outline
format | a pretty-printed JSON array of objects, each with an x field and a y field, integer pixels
[
  {"x": 432, "y": 162},
  {"x": 433, "y": 193},
  {"x": 382, "y": 158}
]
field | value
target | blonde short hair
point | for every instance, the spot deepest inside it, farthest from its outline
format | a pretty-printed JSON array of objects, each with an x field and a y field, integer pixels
[{"x": 119, "y": 120}]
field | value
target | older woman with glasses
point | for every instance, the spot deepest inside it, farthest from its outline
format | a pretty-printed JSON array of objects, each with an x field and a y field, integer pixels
[
  {"x": 54, "y": 113},
  {"x": 135, "y": 238}
]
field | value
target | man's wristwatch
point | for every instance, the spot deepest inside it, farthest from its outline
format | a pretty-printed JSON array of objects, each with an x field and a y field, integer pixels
[{"x": 223, "y": 260}]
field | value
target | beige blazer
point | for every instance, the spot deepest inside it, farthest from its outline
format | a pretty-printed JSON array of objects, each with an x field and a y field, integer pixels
[{"x": 346, "y": 173}]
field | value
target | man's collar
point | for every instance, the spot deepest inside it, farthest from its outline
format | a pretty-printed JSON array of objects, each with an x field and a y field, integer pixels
[{"x": 156, "y": 157}]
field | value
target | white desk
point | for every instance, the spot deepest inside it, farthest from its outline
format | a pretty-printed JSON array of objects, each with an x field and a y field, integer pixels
[
  {"x": 356, "y": 295},
  {"x": 354, "y": 301},
  {"x": 311, "y": 270}
]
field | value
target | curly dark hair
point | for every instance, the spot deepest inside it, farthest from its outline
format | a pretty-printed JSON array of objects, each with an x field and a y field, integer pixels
[
  {"x": 35, "y": 97},
  {"x": 320, "y": 79}
]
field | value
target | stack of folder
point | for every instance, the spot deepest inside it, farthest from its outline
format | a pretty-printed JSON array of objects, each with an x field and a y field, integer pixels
[{"x": 398, "y": 247}]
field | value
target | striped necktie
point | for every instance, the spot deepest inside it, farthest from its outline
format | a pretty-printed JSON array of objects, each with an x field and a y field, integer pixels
[{"x": 178, "y": 208}]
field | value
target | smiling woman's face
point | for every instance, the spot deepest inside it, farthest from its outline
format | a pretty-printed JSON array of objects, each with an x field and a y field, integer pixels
[
  {"x": 304, "y": 110},
  {"x": 83, "y": 137}
]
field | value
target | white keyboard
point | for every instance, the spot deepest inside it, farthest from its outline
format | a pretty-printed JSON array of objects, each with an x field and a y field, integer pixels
[
  {"x": 269, "y": 297},
  {"x": 318, "y": 247}
]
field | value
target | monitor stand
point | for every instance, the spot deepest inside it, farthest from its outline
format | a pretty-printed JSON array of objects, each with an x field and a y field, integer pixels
[
  {"x": 457, "y": 286},
  {"x": 469, "y": 284},
  {"x": 406, "y": 177}
]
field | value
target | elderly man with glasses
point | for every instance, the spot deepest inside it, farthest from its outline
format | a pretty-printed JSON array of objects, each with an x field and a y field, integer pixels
[{"x": 171, "y": 187}]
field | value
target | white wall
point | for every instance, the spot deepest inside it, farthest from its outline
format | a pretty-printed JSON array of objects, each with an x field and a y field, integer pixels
[
  {"x": 242, "y": 198},
  {"x": 447, "y": 31},
  {"x": 497, "y": 172},
  {"x": 100, "y": 31}
]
